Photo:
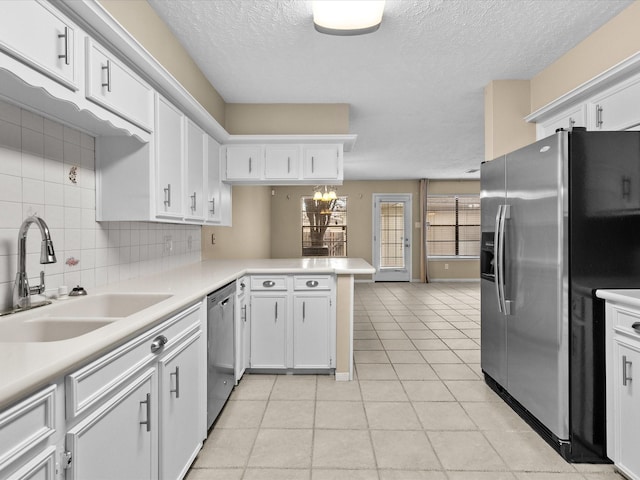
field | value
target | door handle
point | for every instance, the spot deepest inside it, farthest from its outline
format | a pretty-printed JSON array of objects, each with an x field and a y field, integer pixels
[
  {"x": 147, "y": 402},
  {"x": 497, "y": 256},
  {"x": 626, "y": 378},
  {"x": 176, "y": 374},
  {"x": 505, "y": 304},
  {"x": 65, "y": 35}
]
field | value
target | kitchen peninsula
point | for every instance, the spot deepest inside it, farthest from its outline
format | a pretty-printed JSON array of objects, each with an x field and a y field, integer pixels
[{"x": 27, "y": 366}]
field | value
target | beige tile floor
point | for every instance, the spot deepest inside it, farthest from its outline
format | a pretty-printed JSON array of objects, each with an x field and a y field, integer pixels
[{"x": 418, "y": 409}]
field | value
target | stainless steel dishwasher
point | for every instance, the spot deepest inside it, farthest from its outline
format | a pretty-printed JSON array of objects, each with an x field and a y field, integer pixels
[{"x": 220, "y": 349}]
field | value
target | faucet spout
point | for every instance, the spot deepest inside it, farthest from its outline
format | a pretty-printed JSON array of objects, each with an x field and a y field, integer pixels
[{"x": 22, "y": 291}]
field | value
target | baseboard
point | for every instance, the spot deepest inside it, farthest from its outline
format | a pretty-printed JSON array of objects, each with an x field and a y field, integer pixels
[
  {"x": 449, "y": 280},
  {"x": 342, "y": 376}
]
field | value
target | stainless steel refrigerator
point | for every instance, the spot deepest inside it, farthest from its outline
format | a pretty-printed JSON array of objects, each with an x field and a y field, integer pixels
[{"x": 560, "y": 219}]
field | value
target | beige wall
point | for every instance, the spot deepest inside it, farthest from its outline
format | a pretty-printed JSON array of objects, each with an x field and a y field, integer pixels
[
  {"x": 457, "y": 269},
  {"x": 286, "y": 219},
  {"x": 506, "y": 103},
  {"x": 141, "y": 21},
  {"x": 250, "y": 235},
  {"x": 613, "y": 42},
  {"x": 286, "y": 118}
]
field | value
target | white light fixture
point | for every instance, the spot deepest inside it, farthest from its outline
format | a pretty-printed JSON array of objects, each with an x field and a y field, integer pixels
[
  {"x": 325, "y": 196},
  {"x": 347, "y": 17}
]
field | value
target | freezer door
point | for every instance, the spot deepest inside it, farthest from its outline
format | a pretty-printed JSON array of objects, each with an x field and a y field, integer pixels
[
  {"x": 493, "y": 326},
  {"x": 537, "y": 339}
]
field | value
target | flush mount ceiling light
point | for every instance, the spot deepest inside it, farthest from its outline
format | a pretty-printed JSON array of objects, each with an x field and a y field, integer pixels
[{"x": 347, "y": 17}]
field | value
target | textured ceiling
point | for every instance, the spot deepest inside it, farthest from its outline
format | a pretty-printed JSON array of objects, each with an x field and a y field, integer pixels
[{"x": 415, "y": 86}]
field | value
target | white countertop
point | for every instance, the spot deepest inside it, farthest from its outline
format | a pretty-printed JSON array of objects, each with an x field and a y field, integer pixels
[
  {"x": 24, "y": 367},
  {"x": 627, "y": 296}
]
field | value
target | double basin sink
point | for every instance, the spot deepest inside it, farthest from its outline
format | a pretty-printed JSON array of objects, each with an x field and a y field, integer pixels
[{"x": 76, "y": 316}]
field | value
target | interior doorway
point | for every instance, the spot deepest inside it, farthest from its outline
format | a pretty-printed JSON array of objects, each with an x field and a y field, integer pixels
[{"x": 392, "y": 237}]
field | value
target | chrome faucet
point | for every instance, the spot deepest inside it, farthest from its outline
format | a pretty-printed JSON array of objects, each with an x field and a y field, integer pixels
[{"x": 22, "y": 291}]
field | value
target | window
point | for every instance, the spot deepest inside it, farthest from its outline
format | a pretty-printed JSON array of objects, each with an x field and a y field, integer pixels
[
  {"x": 453, "y": 225},
  {"x": 324, "y": 227}
]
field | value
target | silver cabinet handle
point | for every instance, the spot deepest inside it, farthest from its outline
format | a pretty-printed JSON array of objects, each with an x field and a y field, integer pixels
[
  {"x": 108, "y": 69},
  {"x": 167, "y": 195},
  {"x": 268, "y": 283},
  {"x": 636, "y": 327},
  {"x": 288, "y": 164},
  {"x": 159, "y": 342},
  {"x": 65, "y": 35},
  {"x": 312, "y": 164},
  {"x": 572, "y": 122},
  {"x": 599, "y": 120},
  {"x": 177, "y": 376},
  {"x": 193, "y": 202},
  {"x": 497, "y": 252},
  {"x": 244, "y": 313},
  {"x": 213, "y": 206},
  {"x": 147, "y": 402},
  {"x": 276, "y": 318},
  {"x": 626, "y": 378},
  {"x": 250, "y": 161},
  {"x": 304, "y": 310},
  {"x": 312, "y": 283}
]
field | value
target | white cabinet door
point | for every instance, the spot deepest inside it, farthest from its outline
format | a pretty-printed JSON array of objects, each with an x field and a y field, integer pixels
[
  {"x": 281, "y": 162},
  {"x": 616, "y": 109},
  {"x": 243, "y": 162},
  {"x": 243, "y": 329},
  {"x": 575, "y": 117},
  {"x": 116, "y": 88},
  {"x": 194, "y": 163},
  {"x": 268, "y": 330},
  {"x": 116, "y": 441},
  {"x": 180, "y": 393},
  {"x": 40, "y": 36},
  {"x": 322, "y": 162},
  {"x": 40, "y": 467},
  {"x": 218, "y": 208},
  {"x": 627, "y": 406},
  {"x": 169, "y": 152},
  {"x": 311, "y": 320}
]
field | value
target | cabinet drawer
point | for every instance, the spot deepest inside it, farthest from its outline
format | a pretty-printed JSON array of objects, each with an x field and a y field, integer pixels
[
  {"x": 268, "y": 282},
  {"x": 113, "y": 86},
  {"x": 90, "y": 384},
  {"x": 41, "y": 467},
  {"x": 312, "y": 282},
  {"x": 26, "y": 424},
  {"x": 625, "y": 320}
]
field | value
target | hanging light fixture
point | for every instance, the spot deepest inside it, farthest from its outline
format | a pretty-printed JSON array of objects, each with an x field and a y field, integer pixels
[
  {"x": 347, "y": 17},
  {"x": 326, "y": 195}
]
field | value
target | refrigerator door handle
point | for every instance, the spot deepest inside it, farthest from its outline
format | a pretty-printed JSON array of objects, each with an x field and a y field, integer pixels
[
  {"x": 505, "y": 305},
  {"x": 497, "y": 256}
]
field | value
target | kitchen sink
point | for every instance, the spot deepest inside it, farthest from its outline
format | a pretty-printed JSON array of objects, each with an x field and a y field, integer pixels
[
  {"x": 108, "y": 305},
  {"x": 49, "y": 329}
]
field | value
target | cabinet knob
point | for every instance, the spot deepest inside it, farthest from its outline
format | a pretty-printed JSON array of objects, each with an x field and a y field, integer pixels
[
  {"x": 268, "y": 283},
  {"x": 636, "y": 327},
  {"x": 312, "y": 283},
  {"x": 159, "y": 342}
]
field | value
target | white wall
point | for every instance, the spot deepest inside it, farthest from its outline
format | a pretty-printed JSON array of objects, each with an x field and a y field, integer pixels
[{"x": 36, "y": 156}]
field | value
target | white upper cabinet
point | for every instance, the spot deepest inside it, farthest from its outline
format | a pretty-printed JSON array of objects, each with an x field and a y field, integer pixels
[
  {"x": 39, "y": 35},
  {"x": 169, "y": 138},
  {"x": 607, "y": 102},
  {"x": 112, "y": 85},
  {"x": 282, "y": 162},
  {"x": 322, "y": 162},
  {"x": 195, "y": 173},
  {"x": 218, "y": 208},
  {"x": 616, "y": 108},
  {"x": 243, "y": 162}
]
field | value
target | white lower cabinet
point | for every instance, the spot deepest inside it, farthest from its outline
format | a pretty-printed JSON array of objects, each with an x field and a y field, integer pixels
[
  {"x": 292, "y": 322},
  {"x": 180, "y": 419},
  {"x": 622, "y": 348},
  {"x": 268, "y": 330},
  {"x": 117, "y": 440},
  {"x": 242, "y": 328},
  {"x": 138, "y": 412},
  {"x": 311, "y": 322}
]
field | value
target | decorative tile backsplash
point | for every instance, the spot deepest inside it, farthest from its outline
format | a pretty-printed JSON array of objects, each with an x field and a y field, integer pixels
[{"x": 48, "y": 169}]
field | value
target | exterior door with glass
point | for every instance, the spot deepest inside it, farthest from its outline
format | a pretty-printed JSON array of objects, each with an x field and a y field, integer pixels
[{"x": 392, "y": 237}]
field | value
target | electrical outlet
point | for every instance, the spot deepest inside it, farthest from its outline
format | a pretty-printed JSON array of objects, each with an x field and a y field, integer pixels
[{"x": 446, "y": 266}]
